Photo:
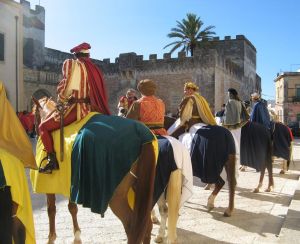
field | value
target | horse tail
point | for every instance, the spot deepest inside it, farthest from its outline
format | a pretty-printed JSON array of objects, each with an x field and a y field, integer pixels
[{"x": 144, "y": 194}]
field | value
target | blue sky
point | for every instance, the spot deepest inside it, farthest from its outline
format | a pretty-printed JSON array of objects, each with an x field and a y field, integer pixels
[{"x": 118, "y": 26}]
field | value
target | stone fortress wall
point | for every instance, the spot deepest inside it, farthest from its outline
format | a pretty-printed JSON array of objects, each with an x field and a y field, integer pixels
[{"x": 230, "y": 62}]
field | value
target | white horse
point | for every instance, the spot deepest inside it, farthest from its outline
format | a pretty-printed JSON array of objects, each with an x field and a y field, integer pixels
[{"x": 179, "y": 189}]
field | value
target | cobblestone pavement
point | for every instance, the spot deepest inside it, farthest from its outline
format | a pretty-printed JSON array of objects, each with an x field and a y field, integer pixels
[{"x": 257, "y": 217}]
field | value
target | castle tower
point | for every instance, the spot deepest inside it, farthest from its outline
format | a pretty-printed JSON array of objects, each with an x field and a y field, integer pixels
[{"x": 34, "y": 35}]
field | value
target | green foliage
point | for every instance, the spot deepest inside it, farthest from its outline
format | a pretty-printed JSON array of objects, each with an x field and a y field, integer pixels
[{"x": 190, "y": 34}]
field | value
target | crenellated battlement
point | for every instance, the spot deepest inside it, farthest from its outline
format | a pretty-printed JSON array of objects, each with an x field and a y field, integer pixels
[
  {"x": 27, "y": 6},
  {"x": 217, "y": 43}
]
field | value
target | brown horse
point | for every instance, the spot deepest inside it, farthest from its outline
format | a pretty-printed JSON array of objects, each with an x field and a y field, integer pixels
[
  {"x": 228, "y": 163},
  {"x": 140, "y": 177}
]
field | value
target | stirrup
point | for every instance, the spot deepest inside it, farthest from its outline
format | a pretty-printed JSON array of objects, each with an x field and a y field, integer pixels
[
  {"x": 48, "y": 167},
  {"x": 41, "y": 170}
]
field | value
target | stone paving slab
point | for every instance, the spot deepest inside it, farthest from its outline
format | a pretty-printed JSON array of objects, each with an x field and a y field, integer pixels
[
  {"x": 257, "y": 218},
  {"x": 290, "y": 232}
]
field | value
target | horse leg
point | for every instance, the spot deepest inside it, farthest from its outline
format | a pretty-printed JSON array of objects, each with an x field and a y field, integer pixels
[
  {"x": 18, "y": 228},
  {"x": 269, "y": 167},
  {"x": 163, "y": 211},
  {"x": 284, "y": 167},
  {"x": 261, "y": 179},
  {"x": 230, "y": 170},
  {"x": 73, "y": 209},
  {"x": 119, "y": 203},
  {"x": 211, "y": 199},
  {"x": 154, "y": 219},
  {"x": 173, "y": 199},
  {"x": 51, "y": 208},
  {"x": 208, "y": 186},
  {"x": 147, "y": 238}
]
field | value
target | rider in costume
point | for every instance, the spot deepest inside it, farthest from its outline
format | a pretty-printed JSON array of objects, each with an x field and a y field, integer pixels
[
  {"x": 193, "y": 109},
  {"x": 15, "y": 154},
  {"x": 125, "y": 102},
  {"x": 260, "y": 113},
  {"x": 235, "y": 115},
  {"x": 149, "y": 109},
  {"x": 81, "y": 91}
]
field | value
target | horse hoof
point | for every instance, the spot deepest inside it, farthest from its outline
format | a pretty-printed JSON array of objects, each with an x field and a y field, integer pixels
[
  {"x": 77, "y": 238},
  {"x": 242, "y": 168},
  {"x": 256, "y": 190},
  {"x": 155, "y": 220},
  {"x": 210, "y": 206},
  {"x": 227, "y": 213},
  {"x": 207, "y": 187},
  {"x": 210, "y": 203},
  {"x": 51, "y": 238},
  {"x": 158, "y": 239},
  {"x": 282, "y": 172},
  {"x": 172, "y": 242},
  {"x": 269, "y": 189}
]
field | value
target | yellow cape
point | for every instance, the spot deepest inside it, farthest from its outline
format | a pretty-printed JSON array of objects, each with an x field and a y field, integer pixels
[
  {"x": 15, "y": 178},
  {"x": 204, "y": 110},
  {"x": 59, "y": 182},
  {"x": 13, "y": 137}
]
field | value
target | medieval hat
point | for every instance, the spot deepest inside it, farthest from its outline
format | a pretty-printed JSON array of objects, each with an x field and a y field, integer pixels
[
  {"x": 232, "y": 91},
  {"x": 147, "y": 87},
  {"x": 191, "y": 85},
  {"x": 81, "y": 48}
]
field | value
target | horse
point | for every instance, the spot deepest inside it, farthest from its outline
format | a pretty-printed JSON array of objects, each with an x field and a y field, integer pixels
[
  {"x": 43, "y": 109},
  {"x": 137, "y": 176},
  {"x": 260, "y": 146},
  {"x": 173, "y": 185},
  {"x": 282, "y": 144},
  {"x": 16, "y": 219},
  {"x": 254, "y": 149},
  {"x": 212, "y": 134}
]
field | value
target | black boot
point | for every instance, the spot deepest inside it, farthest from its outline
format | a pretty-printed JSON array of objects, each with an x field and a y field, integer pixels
[{"x": 51, "y": 165}]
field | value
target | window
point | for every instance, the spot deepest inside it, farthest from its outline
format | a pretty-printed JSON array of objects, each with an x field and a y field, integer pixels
[
  {"x": 298, "y": 91},
  {"x": 1, "y": 47}
]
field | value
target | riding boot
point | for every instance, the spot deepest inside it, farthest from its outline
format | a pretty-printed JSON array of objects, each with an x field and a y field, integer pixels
[{"x": 51, "y": 165}]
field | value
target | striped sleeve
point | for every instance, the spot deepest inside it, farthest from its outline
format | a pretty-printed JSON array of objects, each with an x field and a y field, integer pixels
[{"x": 66, "y": 71}]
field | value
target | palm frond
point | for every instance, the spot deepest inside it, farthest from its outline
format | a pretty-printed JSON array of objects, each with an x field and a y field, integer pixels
[
  {"x": 175, "y": 47},
  {"x": 176, "y": 34},
  {"x": 189, "y": 31},
  {"x": 170, "y": 44}
]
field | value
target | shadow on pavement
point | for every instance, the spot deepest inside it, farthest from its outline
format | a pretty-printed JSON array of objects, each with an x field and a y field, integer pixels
[
  {"x": 185, "y": 236},
  {"x": 273, "y": 197},
  {"x": 260, "y": 223},
  {"x": 292, "y": 223}
]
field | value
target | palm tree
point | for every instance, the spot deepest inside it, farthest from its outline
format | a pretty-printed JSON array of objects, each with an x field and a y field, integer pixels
[{"x": 190, "y": 34}]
